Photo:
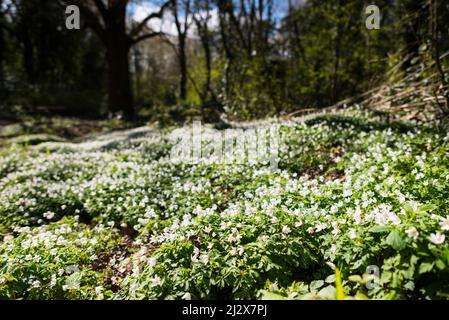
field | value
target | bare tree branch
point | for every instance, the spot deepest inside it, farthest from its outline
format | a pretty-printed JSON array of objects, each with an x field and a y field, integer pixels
[
  {"x": 137, "y": 29},
  {"x": 144, "y": 37}
]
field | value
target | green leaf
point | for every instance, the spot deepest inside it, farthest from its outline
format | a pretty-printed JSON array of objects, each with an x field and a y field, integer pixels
[
  {"x": 390, "y": 296},
  {"x": 379, "y": 229},
  {"x": 330, "y": 279},
  {"x": 361, "y": 296},
  {"x": 396, "y": 241},
  {"x": 408, "y": 208},
  {"x": 427, "y": 207},
  {"x": 440, "y": 264},
  {"x": 315, "y": 285},
  {"x": 409, "y": 286},
  {"x": 266, "y": 295},
  {"x": 445, "y": 256},
  {"x": 355, "y": 278},
  {"x": 425, "y": 267},
  {"x": 413, "y": 260},
  {"x": 328, "y": 292}
]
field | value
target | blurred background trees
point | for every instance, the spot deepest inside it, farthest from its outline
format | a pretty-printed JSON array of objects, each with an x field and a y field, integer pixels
[{"x": 206, "y": 58}]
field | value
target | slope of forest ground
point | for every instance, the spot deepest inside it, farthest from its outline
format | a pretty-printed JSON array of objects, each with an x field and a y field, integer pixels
[{"x": 114, "y": 217}]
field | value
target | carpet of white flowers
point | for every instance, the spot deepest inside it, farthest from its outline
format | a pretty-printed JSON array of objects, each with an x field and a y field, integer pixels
[{"x": 126, "y": 222}]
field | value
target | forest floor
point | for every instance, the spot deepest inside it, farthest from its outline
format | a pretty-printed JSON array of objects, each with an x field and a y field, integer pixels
[
  {"x": 37, "y": 129},
  {"x": 104, "y": 211}
]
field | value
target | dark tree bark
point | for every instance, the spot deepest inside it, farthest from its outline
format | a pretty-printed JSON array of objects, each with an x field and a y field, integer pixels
[
  {"x": 108, "y": 21},
  {"x": 335, "y": 72},
  {"x": 2, "y": 58},
  {"x": 435, "y": 38},
  {"x": 4, "y": 28},
  {"x": 204, "y": 34},
  {"x": 341, "y": 29},
  {"x": 182, "y": 28},
  {"x": 208, "y": 58},
  {"x": 137, "y": 57},
  {"x": 119, "y": 83},
  {"x": 117, "y": 54},
  {"x": 412, "y": 35},
  {"x": 183, "y": 68},
  {"x": 28, "y": 57},
  {"x": 2, "y": 50}
]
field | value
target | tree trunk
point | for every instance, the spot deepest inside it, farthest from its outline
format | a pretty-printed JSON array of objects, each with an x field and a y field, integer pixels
[
  {"x": 208, "y": 58},
  {"x": 335, "y": 78},
  {"x": 137, "y": 56},
  {"x": 119, "y": 83},
  {"x": 2, "y": 50},
  {"x": 412, "y": 37},
  {"x": 28, "y": 57},
  {"x": 435, "y": 38},
  {"x": 183, "y": 67},
  {"x": 335, "y": 72}
]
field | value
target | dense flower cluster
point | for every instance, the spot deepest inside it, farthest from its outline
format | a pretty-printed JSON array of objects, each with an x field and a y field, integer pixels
[{"x": 128, "y": 222}]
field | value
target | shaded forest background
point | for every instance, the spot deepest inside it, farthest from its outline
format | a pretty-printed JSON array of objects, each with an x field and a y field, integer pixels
[{"x": 239, "y": 58}]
